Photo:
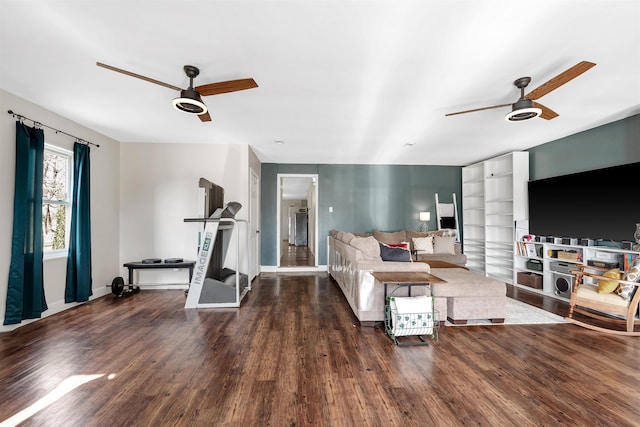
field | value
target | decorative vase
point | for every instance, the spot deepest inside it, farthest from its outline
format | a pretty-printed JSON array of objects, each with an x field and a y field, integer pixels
[{"x": 636, "y": 236}]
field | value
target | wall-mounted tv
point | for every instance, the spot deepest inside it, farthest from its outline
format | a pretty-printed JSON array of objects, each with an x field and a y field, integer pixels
[{"x": 598, "y": 204}]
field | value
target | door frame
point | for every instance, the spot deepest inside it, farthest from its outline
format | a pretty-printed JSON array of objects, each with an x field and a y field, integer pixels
[
  {"x": 313, "y": 176},
  {"x": 254, "y": 223}
]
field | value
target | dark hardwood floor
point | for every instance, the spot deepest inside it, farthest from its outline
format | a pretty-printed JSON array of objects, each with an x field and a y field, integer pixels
[
  {"x": 294, "y": 355},
  {"x": 296, "y": 256}
]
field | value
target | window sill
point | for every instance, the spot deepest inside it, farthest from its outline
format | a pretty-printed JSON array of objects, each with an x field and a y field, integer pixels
[{"x": 63, "y": 253}]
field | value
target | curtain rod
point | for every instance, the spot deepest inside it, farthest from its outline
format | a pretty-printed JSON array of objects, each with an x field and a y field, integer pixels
[{"x": 38, "y": 124}]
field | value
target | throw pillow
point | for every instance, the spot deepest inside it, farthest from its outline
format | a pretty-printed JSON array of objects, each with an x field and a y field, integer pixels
[
  {"x": 403, "y": 245},
  {"x": 444, "y": 245},
  {"x": 632, "y": 275},
  {"x": 424, "y": 245},
  {"x": 608, "y": 286},
  {"x": 388, "y": 253},
  {"x": 368, "y": 246}
]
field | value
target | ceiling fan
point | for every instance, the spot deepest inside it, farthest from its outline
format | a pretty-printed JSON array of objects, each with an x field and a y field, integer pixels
[
  {"x": 190, "y": 99},
  {"x": 525, "y": 108}
]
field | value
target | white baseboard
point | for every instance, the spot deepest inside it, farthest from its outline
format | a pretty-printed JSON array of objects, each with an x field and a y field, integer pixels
[
  {"x": 56, "y": 307},
  {"x": 161, "y": 286}
]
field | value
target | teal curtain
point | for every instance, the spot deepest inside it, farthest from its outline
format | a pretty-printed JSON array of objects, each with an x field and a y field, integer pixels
[
  {"x": 78, "y": 287},
  {"x": 25, "y": 289}
]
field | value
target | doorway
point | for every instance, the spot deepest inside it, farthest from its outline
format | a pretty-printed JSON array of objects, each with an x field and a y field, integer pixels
[
  {"x": 297, "y": 221},
  {"x": 254, "y": 221}
]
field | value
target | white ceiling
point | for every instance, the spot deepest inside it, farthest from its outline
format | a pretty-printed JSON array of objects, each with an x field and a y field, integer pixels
[
  {"x": 339, "y": 81},
  {"x": 295, "y": 188}
]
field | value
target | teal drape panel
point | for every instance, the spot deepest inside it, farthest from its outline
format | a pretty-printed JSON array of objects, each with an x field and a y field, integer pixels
[
  {"x": 78, "y": 287},
  {"x": 25, "y": 290}
]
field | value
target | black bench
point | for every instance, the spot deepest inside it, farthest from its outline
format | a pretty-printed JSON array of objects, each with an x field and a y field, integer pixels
[{"x": 155, "y": 265}]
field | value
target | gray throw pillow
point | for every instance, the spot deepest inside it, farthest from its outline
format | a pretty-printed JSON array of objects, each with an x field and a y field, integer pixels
[{"x": 388, "y": 253}]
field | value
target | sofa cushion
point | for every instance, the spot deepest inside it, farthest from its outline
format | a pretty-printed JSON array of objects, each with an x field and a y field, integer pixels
[
  {"x": 390, "y": 266},
  {"x": 346, "y": 237},
  {"x": 459, "y": 259},
  {"x": 395, "y": 253},
  {"x": 444, "y": 245},
  {"x": 390, "y": 237},
  {"x": 368, "y": 246},
  {"x": 463, "y": 283}
]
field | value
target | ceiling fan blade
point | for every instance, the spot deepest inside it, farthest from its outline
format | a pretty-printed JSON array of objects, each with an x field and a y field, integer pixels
[
  {"x": 138, "y": 76},
  {"x": 204, "y": 117},
  {"x": 225, "y": 87},
  {"x": 547, "y": 113},
  {"x": 559, "y": 80},
  {"x": 479, "y": 109}
]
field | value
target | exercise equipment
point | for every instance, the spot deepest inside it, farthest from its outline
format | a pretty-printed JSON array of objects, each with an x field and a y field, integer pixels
[
  {"x": 119, "y": 289},
  {"x": 213, "y": 285}
]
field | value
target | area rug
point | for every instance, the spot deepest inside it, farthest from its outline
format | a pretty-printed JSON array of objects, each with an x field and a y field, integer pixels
[{"x": 519, "y": 313}]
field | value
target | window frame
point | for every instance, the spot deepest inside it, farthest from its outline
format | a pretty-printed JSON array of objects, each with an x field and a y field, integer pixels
[{"x": 60, "y": 253}]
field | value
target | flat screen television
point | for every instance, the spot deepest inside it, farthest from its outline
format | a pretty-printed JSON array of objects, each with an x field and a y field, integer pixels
[{"x": 598, "y": 204}]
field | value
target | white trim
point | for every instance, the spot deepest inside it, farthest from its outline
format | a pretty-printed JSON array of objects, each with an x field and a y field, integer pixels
[{"x": 55, "y": 254}]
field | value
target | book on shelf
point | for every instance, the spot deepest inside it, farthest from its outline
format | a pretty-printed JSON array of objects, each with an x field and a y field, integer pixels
[
  {"x": 628, "y": 259},
  {"x": 530, "y": 250}
]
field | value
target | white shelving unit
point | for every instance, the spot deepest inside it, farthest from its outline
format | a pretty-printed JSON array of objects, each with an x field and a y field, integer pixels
[
  {"x": 556, "y": 281},
  {"x": 494, "y": 196},
  {"x": 473, "y": 216}
]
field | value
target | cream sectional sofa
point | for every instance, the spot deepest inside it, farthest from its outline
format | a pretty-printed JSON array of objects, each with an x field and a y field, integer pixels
[{"x": 352, "y": 260}]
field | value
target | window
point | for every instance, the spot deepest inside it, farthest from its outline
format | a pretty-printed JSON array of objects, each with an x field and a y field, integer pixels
[{"x": 57, "y": 177}]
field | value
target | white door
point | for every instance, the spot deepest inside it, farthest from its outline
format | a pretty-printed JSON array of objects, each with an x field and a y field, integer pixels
[{"x": 254, "y": 223}]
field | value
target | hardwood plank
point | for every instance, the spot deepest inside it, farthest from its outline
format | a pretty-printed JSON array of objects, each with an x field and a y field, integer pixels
[{"x": 293, "y": 354}]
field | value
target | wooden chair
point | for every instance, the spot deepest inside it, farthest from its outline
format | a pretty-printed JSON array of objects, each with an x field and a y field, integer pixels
[{"x": 609, "y": 308}]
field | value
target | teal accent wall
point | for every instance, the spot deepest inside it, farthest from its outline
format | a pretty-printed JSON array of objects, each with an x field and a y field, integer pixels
[
  {"x": 608, "y": 145},
  {"x": 364, "y": 198}
]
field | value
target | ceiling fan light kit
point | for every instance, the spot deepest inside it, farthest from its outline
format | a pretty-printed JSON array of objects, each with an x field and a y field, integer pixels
[
  {"x": 523, "y": 109},
  {"x": 190, "y": 102}
]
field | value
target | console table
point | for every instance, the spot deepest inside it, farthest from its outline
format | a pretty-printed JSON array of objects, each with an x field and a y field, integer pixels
[{"x": 158, "y": 265}]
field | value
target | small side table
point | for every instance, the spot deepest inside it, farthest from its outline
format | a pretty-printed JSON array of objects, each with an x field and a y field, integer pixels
[{"x": 408, "y": 280}]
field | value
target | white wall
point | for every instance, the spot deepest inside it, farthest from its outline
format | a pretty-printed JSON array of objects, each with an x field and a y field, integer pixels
[
  {"x": 105, "y": 184},
  {"x": 159, "y": 188}
]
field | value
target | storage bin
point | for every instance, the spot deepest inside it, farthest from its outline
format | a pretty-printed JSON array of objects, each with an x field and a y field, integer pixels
[
  {"x": 569, "y": 255},
  {"x": 531, "y": 280},
  {"x": 534, "y": 264}
]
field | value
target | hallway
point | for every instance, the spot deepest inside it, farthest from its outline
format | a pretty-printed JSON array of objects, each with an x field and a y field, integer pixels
[{"x": 296, "y": 256}]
